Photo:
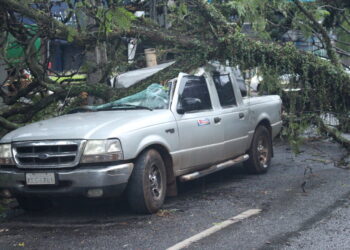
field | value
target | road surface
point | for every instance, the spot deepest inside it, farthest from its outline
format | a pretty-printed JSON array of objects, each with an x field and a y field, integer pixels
[{"x": 289, "y": 217}]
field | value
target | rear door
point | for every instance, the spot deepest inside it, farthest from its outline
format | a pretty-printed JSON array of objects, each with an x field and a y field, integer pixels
[
  {"x": 201, "y": 133},
  {"x": 234, "y": 116}
]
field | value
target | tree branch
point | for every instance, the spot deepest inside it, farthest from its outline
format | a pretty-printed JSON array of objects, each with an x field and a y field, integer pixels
[
  {"x": 344, "y": 29},
  {"x": 61, "y": 31},
  {"x": 328, "y": 44},
  {"x": 334, "y": 133},
  {"x": 342, "y": 52},
  {"x": 8, "y": 125}
]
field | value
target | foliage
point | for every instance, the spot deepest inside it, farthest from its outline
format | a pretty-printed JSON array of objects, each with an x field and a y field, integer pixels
[{"x": 114, "y": 18}]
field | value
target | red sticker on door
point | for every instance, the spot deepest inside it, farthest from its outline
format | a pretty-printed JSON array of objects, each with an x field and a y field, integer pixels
[{"x": 203, "y": 122}]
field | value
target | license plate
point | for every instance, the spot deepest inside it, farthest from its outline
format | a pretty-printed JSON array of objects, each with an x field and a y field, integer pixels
[{"x": 40, "y": 179}]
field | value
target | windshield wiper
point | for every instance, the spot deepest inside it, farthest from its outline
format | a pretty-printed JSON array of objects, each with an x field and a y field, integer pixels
[
  {"x": 81, "y": 110},
  {"x": 137, "y": 106},
  {"x": 124, "y": 106}
]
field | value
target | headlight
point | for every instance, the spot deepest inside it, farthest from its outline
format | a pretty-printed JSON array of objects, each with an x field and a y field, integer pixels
[
  {"x": 6, "y": 155},
  {"x": 102, "y": 151}
]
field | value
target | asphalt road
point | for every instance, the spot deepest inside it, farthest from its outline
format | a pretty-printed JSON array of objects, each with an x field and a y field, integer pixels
[{"x": 290, "y": 218}]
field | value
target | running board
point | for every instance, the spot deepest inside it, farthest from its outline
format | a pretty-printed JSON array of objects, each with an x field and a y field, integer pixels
[{"x": 212, "y": 169}]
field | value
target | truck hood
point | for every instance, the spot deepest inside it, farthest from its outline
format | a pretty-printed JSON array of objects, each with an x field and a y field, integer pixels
[{"x": 90, "y": 125}]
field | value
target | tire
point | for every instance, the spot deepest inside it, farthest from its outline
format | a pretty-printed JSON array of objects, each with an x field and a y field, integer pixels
[
  {"x": 34, "y": 203},
  {"x": 260, "y": 151},
  {"x": 147, "y": 185}
]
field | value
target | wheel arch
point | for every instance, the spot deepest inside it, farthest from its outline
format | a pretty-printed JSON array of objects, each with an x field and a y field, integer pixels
[{"x": 266, "y": 123}]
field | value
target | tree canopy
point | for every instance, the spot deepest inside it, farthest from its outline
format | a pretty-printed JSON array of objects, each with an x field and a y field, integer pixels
[{"x": 195, "y": 32}]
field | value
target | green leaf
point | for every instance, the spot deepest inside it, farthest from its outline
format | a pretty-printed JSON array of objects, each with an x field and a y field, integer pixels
[
  {"x": 71, "y": 34},
  {"x": 320, "y": 14},
  {"x": 115, "y": 18}
]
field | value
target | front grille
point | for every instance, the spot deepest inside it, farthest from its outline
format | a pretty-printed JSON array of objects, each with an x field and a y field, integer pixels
[{"x": 47, "y": 154}]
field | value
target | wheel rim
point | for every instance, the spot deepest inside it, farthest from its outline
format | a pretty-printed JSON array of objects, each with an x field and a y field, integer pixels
[
  {"x": 155, "y": 182},
  {"x": 263, "y": 151}
]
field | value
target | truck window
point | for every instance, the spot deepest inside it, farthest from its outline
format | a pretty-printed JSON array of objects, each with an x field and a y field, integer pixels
[
  {"x": 225, "y": 91},
  {"x": 195, "y": 87}
]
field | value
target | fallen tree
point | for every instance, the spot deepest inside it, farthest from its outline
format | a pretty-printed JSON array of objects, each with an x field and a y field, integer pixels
[{"x": 325, "y": 85}]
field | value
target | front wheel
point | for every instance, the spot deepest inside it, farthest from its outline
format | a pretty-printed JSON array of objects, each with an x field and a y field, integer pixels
[
  {"x": 260, "y": 151},
  {"x": 147, "y": 185}
]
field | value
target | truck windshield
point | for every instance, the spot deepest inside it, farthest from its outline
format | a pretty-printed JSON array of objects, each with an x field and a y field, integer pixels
[{"x": 155, "y": 96}]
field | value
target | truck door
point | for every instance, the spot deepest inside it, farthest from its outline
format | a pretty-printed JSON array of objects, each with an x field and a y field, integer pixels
[
  {"x": 234, "y": 117},
  {"x": 201, "y": 133}
]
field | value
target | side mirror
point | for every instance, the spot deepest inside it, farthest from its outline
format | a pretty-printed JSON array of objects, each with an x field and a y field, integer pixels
[
  {"x": 189, "y": 104},
  {"x": 180, "y": 111}
]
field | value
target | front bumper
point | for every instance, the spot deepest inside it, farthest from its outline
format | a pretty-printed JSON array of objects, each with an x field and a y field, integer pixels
[{"x": 111, "y": 180}]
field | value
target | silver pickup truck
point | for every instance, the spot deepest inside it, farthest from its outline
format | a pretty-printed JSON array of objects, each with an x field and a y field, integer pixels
[{"x": 143, "y": 144}]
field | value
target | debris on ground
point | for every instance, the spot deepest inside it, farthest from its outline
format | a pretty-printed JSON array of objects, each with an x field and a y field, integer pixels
[
  {"x": 166, "y": 212},
  {"x": 307, "y": 176}
]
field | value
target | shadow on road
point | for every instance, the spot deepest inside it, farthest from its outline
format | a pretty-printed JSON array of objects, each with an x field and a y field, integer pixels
[{"x": 83, "y": 211}]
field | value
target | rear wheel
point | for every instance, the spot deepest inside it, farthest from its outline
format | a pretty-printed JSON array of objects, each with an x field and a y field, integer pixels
[
  {"x": 147, "y": 185},
  {"x": 260, "y": 151},
  {"x": 34, "y": 203}
]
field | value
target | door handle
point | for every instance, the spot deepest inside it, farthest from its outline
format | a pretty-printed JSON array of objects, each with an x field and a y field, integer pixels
[
  {"x": 217, "y": 119},
  {"x": 241, "y": 115}
]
